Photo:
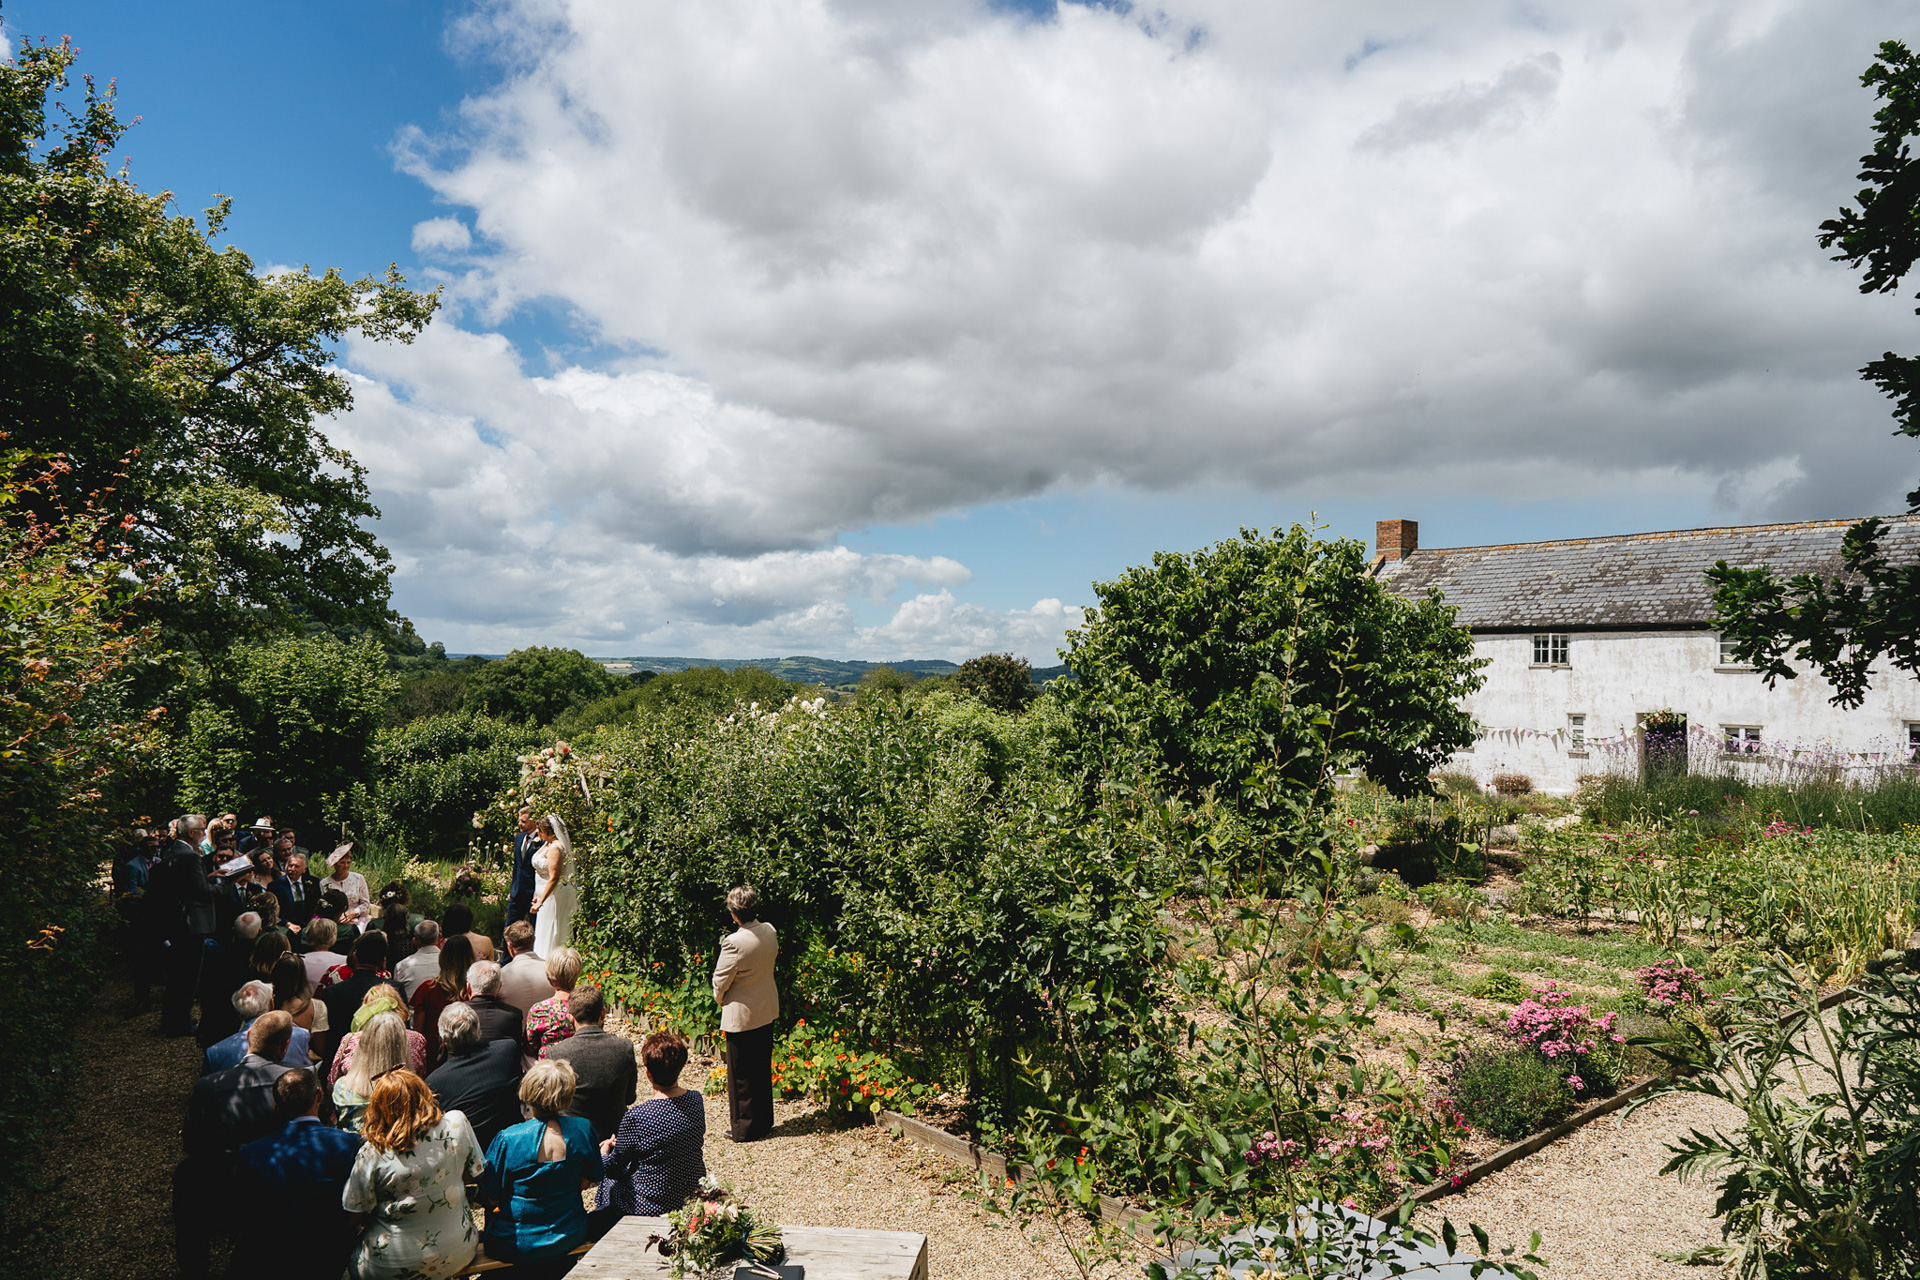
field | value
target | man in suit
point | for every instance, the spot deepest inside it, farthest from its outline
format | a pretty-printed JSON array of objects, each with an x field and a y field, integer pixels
[
  {"x": 228, "y": 1109},
  {"x": 605, "y": 1072},
  {"x": 185, "y": 917},
  {"x": 526, "y": 842},
  {"x": 498, "y": 1019},
  {"x": 225, "y": 969},
  {"x": 299, "y": 893},
  {"x": 749, "y": 1002},
  {"x": 249, "y": 1002},
  {"x": 294, "y": 1177},
  {"x": 480, "y": 1078},
  {"x": 523, "y": 979}
]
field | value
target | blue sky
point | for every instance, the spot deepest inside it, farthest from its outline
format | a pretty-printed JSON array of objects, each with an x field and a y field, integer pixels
[{"x": 883, "y": 330}]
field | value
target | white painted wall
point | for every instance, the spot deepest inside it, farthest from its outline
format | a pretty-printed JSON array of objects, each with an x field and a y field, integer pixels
[{"x": 1613, "y": 677}]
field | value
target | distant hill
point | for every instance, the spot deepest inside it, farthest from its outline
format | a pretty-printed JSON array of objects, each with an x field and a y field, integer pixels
[{"x": 831, "y": 672}]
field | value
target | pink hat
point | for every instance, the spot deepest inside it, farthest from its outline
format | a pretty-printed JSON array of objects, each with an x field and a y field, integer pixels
[{"x": 333, "y": 859}]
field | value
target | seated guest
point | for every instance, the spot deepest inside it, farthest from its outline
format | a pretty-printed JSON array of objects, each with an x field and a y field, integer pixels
[
  {"x": 445, "y": 987},
  {"x": 654, "y": 1159},
  {"x": 378, "y": 1000},
  {"x": 458, "y": 919},
  {"x": 350, "y": 883},
  {"x": 536, "y": 1171},
  {"x": 298, "y": 892},
  {"x": 343, "y": 996},
  {"x": 225, "y": 969},
  {"x": 261, "y": 832},
  {"x": 333, "y": 906},
  {"x": 523, "y": 978},
  {"x": 548, "y": 1023},
  {"x": 266, "y": 953},
  {"x": 498, "y": 1019},
  {"x": 261, "y": 872},
  {"x": 249, "y": 1002},
  {"x": 411, "y": 1178},
  {"x": 606, "y": 1078},
  {"x": 424, "y": 963},
  {"x": 480, "y": 1079},
  {"x": 381, "y": 1047},
  {"x": 395, "y": 923},
  {"x": 293, "y": 996},
  {"x": 228, "y": 1109},
  {"x": 318, "y": 954},
  {"x": 294, "y": 1179}
]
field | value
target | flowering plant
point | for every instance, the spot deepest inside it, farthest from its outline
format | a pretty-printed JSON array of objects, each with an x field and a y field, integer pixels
[
  {"x": 714, "y": 1227},
  {"x": 1567, "y": 1034},
  {"x": 843, "y": 1077},
  {"x": 1669, "y": 986}
]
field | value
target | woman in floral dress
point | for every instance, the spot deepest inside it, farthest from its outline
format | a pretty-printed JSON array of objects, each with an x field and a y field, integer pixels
[
  {"x": 551, "y": 1020},
  {"x": 411, "y": 1178}
]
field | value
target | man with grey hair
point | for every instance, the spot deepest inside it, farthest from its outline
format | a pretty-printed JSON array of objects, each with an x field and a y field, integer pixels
[
  {"x": 480, "y": 1078},
  {"x": 424, "y": 963},
  {"x": 249, "y": 1002},
  {"x": 184, "y": 915},
  {"x": 227, "y": 966},
  {"x": 749, "y": 1003},
  {"x": 498, "y": 1019}
]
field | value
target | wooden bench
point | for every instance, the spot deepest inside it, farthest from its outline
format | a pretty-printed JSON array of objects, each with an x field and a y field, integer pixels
[
  {"x": 827, "y": 1253},
  {"x": 482, "y": 1263}
]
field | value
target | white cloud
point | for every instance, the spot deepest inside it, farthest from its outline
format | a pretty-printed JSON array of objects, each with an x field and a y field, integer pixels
[{"x": 872, "y": 262}]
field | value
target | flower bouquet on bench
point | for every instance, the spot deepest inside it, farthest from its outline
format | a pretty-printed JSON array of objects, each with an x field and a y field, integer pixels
[{"x": 715, "y": 1228}]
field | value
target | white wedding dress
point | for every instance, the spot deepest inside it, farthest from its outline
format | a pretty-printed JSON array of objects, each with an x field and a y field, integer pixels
[{"x": 553, "y": 923}]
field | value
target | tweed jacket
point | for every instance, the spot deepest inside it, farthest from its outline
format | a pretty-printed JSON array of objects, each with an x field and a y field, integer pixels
[{"x": 743, "y": 979}]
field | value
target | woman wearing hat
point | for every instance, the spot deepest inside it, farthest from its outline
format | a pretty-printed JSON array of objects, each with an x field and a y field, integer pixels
[{"x": 342, "y": 876}]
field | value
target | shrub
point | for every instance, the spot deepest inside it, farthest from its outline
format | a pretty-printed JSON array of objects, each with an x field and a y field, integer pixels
[
  {"x": 431, "y": 775},
  {"x": 1513, "y": 784},
  {"x": 1509, "y": 1091},
  {"x": 1669, "y": 986},
  {"x": 1569, "y": 1038},
  {"x": 1500, "y": 985}
]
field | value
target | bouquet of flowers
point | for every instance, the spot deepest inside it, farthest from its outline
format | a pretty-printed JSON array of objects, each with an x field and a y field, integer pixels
[{"x": 714, "y": 1228}]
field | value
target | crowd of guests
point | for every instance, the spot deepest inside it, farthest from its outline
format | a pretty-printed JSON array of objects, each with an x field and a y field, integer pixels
[{"x": 369, "y": 1075}]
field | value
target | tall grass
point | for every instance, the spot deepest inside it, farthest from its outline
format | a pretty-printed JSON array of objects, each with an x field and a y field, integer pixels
[{"x": 1886, "y": 803}]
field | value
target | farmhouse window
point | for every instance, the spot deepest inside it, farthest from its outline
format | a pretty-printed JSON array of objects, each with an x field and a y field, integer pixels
[
  {"x": 1576, "y": 735},
  {"x": 1741, "y": 739},
  {"x": 1913, "y": 741},
  {"x": 1728, "y": 658},
  {"x": 1550, "y": 649}
]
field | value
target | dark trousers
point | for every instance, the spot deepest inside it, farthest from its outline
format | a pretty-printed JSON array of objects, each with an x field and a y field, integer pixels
[
  {"x": 750, "y": 1082},
  {"x": 202, "y": 1194},
  {"x": 184, "y": 955}
]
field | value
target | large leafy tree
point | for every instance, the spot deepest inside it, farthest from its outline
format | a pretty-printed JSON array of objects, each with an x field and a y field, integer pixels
[
  {"x": 538, "y": 683},
  {"x": 1261, "y": 658},
  {"x": 128, "y": 337},
  {"x": 1844, "y": 625}
]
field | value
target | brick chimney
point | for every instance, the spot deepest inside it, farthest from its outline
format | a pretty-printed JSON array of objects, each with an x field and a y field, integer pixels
[{"x": 1396, "y": 539}]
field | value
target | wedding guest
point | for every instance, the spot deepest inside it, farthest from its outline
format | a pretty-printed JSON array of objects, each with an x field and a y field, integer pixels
[
  {"x": 536, "y": 1171},
  {"x": 480, "y": 1078},
  {"x": 293, "y": 996},
  {"x": 458, "y": 919},
  {"x": 185, "y": 919},
  {"x": 498, "y": 1019},
  {"x": 654, "y": 1160},
  {"x": 443, "y": 989},
  {"x": 423, "y": 963},
  {"x": 267, "y": 951},
  {"x": 381, "y": 1048},
  {"x": 343, "y": 997},
  {"x": 749, "y": 1002},
  {"x": 261, "y": 832},
  {"x": 227, "y": 1110},
  {"x": 249, "y": 1003},
  {"x": 320, "y": 956},
  {"x": 333, "y": 906},
  {"x": 380, "y": 999},
  {"x": 298, "y": 892},
  {"x": 342, "y": 876},
  {"x": 606, "y": 1077},
  {"x": 523, "y": 979},
  {"x": 411, "y": 1179},
  {"x": 526, "y": 842},
  {"x": 396, "y": 925},
  {"x": 225, "y": 968},
  {"x": 549, "y": 1022},
  {"x": 296, "y": 1177}
]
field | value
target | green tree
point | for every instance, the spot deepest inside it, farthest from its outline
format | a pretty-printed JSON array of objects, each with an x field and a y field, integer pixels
[
  {"x": 538, "y": 682},
  {"x": 433, "y": 774},
  {"x": 1177, "y": 665},
  {"x": 1000, "y": 680},
  {"x": 126, "y": 334},
  {"x": 1845, "y": 625},
  {"x": 285, "y": 727},
  {"x": 715, "y": 689}
]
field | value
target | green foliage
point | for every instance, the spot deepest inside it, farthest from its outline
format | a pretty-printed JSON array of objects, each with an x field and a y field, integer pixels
[
  {"x": 537, "y": 684},
  {"x": 130, "y": 340},
  {"x": 286, "y": 727},
  {"x": 1823, "y": 1178},
  {"x": 1177, "y": 669},
  {"x": 1000, "y": 680},
  {"x": 842, "y": 1075},
  {"x": 1509, "y": 1091},
  {"x": 432, "y": 688},
  {"x": 430, "y": 776},
  {"x": 714, "y": 690},
  {"x": 1500, "y": 985}
]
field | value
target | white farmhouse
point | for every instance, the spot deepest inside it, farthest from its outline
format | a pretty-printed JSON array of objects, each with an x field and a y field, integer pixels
[{"x": 1586, "y": 637}]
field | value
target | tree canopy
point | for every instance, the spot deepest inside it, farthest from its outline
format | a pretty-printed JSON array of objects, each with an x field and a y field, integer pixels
[
  {"x": 129, "y": 341},
  {"x": 1000, "y": 680},
  {"x": 1178, "y": 666},
  {"x": 538, "y": 683}
]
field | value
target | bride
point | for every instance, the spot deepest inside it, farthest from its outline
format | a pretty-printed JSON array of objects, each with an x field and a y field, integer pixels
[{"x": 553, "y": 892}]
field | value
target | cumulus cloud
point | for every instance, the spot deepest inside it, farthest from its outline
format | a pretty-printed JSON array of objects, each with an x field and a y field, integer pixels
[{"x": 849, "y": 263}]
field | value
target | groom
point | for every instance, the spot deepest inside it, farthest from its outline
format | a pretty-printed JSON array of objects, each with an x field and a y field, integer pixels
[{"x": 520, "y": 893}]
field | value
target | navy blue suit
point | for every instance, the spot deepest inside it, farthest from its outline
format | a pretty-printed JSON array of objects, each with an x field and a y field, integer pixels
[
  {"x": 520, "y": 892},
  {"x": 295, "y": 1177}
]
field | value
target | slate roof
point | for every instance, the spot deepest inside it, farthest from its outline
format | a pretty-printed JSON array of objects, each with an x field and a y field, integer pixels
[{"x": 1651, "y": 580}]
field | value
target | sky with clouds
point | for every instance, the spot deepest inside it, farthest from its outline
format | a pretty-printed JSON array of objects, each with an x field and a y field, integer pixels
[{"x": 881, "y": 329}]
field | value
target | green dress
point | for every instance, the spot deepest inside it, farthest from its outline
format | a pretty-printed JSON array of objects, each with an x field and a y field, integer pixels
[{"x": 421, "y": 1227}]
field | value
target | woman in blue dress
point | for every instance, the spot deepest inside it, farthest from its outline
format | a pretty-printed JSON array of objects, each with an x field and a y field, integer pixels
[
  {"x": 536, "y": 1171},
  {"x": 654, "y": 1159}
]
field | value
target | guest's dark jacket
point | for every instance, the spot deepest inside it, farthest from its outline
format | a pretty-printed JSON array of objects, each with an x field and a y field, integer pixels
[
  {"x": 233, "y": 1107},
  {"x": 294, "y": 1177},
  {"x": 301, "y": 911},
  {"x": 343, "y": 1001},
  {"x": 186, "y": 892},
  {"x": 606, "y": 1076},
  {"x": 227, "y": 969},
  {"x": 520, "y": 891},
  {"x": 499, "y": 1020},
  {"x": 484, "y": 1084}
]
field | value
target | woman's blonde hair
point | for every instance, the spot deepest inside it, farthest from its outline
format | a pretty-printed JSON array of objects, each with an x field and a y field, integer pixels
[
  {"x": 547, "y": 1088},
  {"x": 563, "y": 968},
  {"x": 400, "y": 1108},
  {"x": 322, "y": 933},
  {"x": 382, "y": 1047}
]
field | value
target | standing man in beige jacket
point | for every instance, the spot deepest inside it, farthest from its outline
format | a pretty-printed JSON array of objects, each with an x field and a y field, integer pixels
[{"x": 749, "y": 1003}]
